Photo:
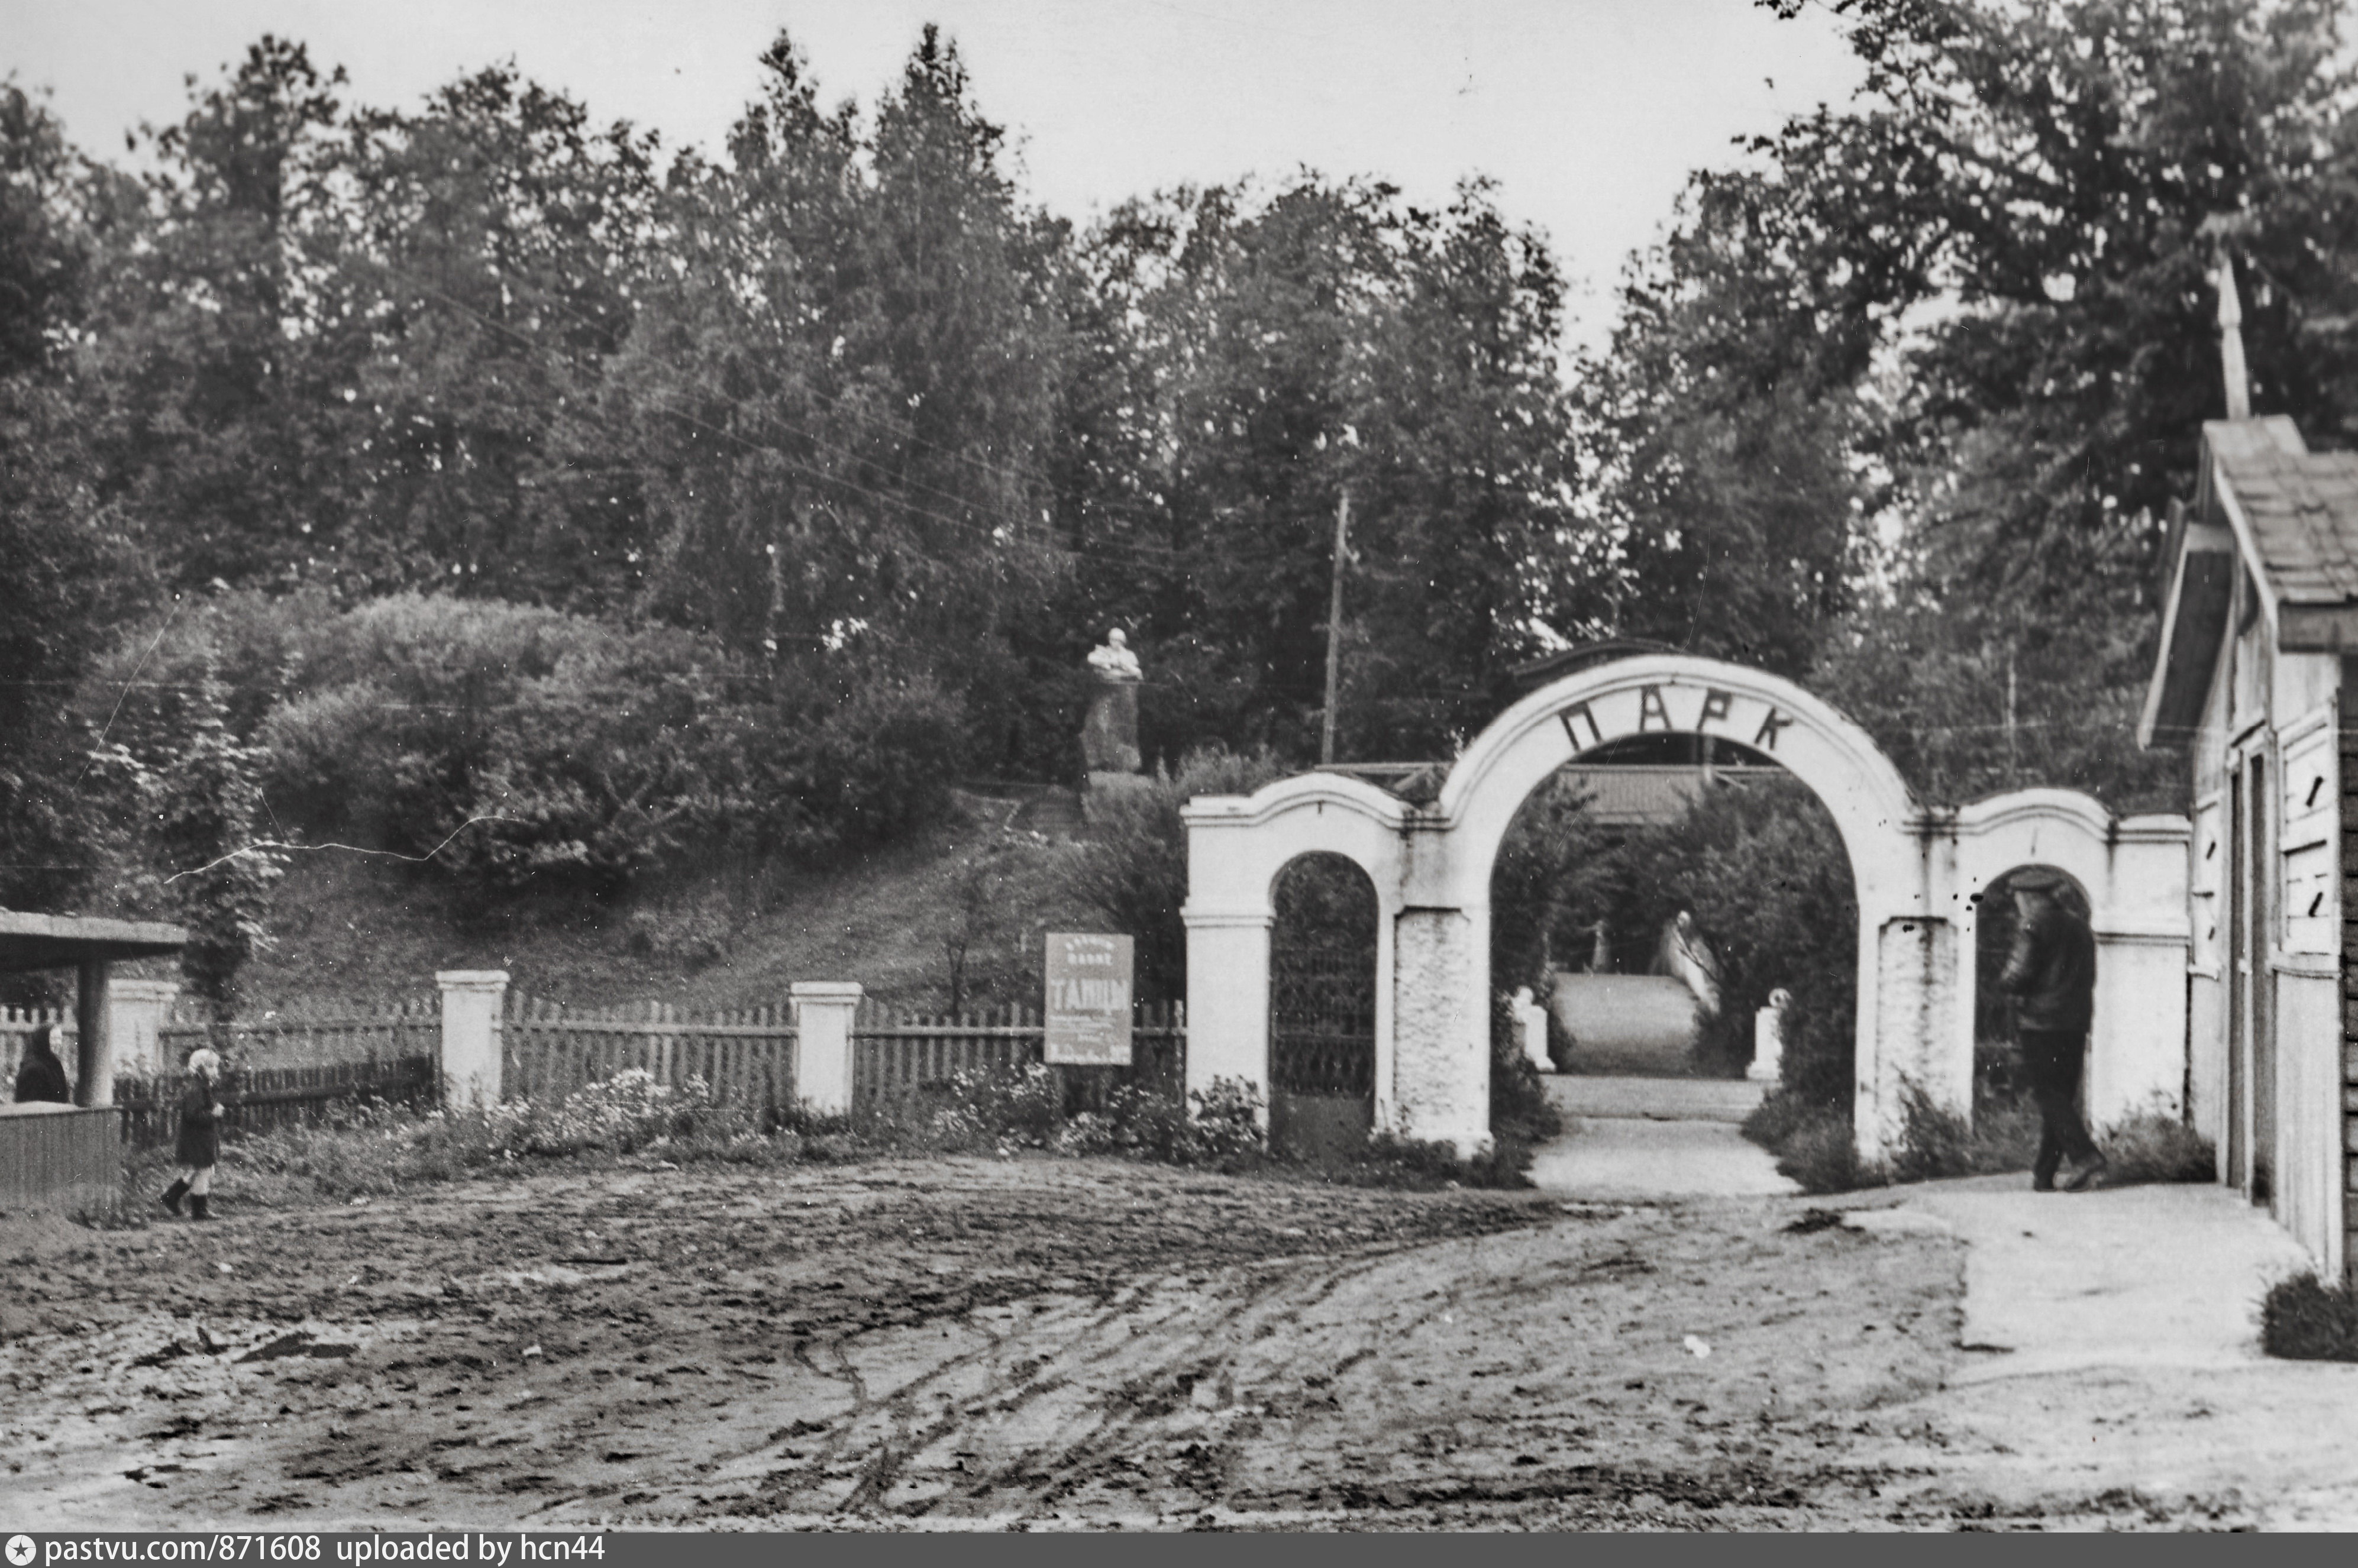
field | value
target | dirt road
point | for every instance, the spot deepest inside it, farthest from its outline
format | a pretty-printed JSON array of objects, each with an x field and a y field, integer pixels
[{"x": 1036, "y": 1343}]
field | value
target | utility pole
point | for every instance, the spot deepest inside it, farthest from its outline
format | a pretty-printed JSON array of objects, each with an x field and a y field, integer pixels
[
  {"x": 1334, "y": 631},
  {"x": 2013, "y": 771}
]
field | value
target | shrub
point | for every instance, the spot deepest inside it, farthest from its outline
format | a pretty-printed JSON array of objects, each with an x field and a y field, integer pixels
[
  {"x": 1227, "y": 1121},
  {"x": 1936, "y": 1142},
  {"x": 591, "y": 752},
  {"x": 1000, "y": 1109},
  {"x": 2304, "y": 1319},
  {"x": 2149, "y": 1147},
  {"x": 1522, "y": 1117},
  {"x": 375, "y": 1149},
  {"x": 1813, "y": 1141}
]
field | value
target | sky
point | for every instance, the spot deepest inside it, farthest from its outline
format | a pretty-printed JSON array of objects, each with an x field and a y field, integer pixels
[{"x": 1589, "y": 113}]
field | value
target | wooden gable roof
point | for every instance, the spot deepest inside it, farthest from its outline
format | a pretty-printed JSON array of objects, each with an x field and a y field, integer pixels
[{"x": 2268, "y": 507}]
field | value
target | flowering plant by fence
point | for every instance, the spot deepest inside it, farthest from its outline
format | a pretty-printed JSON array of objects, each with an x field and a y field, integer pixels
[
  {"x": 308, "y": 1062},
  {"x": 894, "y": 1052},
  {"x": 742, "y": 1055}
]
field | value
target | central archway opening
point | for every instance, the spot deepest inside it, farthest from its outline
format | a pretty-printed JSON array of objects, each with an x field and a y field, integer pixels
[{"x": 1656, "y": 894}]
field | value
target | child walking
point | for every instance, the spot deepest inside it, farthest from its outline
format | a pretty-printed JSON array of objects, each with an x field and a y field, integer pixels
[{"x": 199, "y": 1147}]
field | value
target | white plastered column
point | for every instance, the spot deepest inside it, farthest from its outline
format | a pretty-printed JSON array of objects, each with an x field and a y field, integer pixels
[
  {"x": 1227, "y": 1009},
  {"x": 1440, "y": 1083},
  {"x": 825, "y": 1014},
  {"x": 473, "y": 1042}
]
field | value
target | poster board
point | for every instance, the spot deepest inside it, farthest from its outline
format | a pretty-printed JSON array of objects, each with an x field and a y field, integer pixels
[{"x": 1088, "y": 999}]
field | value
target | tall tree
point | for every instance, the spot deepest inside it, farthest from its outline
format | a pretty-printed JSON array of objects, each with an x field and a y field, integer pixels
[
  {"x": 72, "y": 576},
  {"x": 1982, "y": 297},
  {"x": 1271, "y": 353},
  {"x": 844, "y": 384},
  {"x": 499, "y": 244},
  {"x": 226, "y": 338}
]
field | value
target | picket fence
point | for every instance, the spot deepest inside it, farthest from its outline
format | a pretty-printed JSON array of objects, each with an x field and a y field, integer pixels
[
  {"x": 303, "y": 1064},
  {"x": 895, "y": 1053},
  {"x": 745, "y": 1055},
  {"x": 309, "y": 1035},
  {"x": 263, "y": 1099},
  {"x": 356, "y": 1032}
]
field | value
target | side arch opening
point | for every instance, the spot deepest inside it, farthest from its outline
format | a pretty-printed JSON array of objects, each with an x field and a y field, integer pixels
[
  {"x": 1321, "y": 1034},
  {"x": 2006, "y": 1122}
]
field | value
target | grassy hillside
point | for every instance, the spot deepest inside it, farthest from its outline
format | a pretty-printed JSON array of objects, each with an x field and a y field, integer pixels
[{"x": 349, "y": 926}]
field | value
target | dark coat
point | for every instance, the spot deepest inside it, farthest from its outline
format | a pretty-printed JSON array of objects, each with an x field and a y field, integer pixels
[
  {"x": 41, "y": 1076},
  {"x": 200, "y": 1142},
  {"x": 2051, "y": 973}
]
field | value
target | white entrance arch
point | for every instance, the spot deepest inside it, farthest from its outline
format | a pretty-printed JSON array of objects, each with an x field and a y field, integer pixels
[{"x": 1431, "y": 866}]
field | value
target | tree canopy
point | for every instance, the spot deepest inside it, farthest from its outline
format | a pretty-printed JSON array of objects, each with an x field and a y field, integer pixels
[{"x": 870, "y": 445}]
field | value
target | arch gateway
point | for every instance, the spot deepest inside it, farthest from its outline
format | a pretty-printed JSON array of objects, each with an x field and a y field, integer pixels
[{"x": 1918, "y": 872}]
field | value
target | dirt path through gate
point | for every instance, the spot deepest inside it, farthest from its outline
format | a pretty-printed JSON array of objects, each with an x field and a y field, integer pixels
[{"x": 1654, "y": 1138}]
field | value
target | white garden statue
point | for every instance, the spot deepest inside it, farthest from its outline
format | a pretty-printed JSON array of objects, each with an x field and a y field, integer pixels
[
  {"x": 1768, "y": 1039},
  {"x": 1530, "y": 1024},
  {"x": 1113, "y": 660}
]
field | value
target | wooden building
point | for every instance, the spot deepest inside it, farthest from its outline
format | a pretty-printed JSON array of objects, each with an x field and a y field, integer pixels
[{"x": 2250, "y": 680}]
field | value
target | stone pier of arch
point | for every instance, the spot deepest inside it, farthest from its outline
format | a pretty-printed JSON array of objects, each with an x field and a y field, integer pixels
[{"x": 1918, "y": 875}]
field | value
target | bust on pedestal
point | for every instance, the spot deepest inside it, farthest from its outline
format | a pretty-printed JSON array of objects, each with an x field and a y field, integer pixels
[{"x": 1109, "y": 736}]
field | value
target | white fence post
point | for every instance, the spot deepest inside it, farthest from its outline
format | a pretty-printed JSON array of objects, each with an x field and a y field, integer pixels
[
  {"x": 472, "y": 1002},
  {"x": 823, "y": 1018},
  {"x": 136, "y": 1015}
]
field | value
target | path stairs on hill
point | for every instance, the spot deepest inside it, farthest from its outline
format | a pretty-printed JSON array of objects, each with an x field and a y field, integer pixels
[{"x": 1652, "y": 1138}]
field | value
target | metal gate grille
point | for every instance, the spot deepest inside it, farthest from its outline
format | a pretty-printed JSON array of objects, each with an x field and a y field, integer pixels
[{"x": 1323, "y": 1019}]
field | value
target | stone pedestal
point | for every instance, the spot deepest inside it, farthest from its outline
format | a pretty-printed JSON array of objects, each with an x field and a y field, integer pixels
[
  {"x": 472, "y": 1038},
  {"x": 823, "y": 1011},
  {"x": 137, "y": 1013},
  {"x": 1109, "y": 735}
]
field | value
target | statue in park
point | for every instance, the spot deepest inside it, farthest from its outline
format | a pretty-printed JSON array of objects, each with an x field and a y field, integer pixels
[
  {"x": 1113, "y": 660},
  {"x": 1683, "y": 953},
  {"x": 1109, "y": 733},
  {"x": 1768, "y": 1039}
]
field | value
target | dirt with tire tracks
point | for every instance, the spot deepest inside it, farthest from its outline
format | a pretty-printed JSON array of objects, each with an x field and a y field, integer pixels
[{"x": 1036, "y": 1343}]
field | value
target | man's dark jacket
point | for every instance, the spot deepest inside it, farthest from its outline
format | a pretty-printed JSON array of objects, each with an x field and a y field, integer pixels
[{"x": 2051, "y": 973}]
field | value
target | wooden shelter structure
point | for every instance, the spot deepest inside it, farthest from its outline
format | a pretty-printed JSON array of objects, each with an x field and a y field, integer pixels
[
  {"x": 91, "y": 947},
  {"x": 64, "y": 1158}
]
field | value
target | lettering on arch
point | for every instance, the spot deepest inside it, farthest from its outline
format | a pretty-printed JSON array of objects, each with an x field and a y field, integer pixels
[{"x": 1675, "y": 706}]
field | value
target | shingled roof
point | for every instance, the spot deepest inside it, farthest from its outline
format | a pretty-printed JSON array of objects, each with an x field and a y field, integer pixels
[
  {"x": 2269, "y": 508},
  {"x": 2298, "y": 509}
]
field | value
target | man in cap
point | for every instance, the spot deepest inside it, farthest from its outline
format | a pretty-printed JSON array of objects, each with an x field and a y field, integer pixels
[{"x": 2051, "y": 975}]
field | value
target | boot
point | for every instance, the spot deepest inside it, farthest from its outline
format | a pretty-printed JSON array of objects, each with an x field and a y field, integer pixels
[
  {"x": 197, "y": 1205},
  {"x": 2086, "y": 1174},
  {"x": 171, "y": 1198}
]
